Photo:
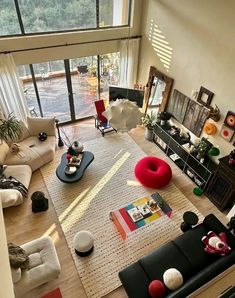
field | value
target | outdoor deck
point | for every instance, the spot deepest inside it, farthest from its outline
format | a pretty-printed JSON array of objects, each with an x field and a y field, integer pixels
[{"x": 53, "y": 94}]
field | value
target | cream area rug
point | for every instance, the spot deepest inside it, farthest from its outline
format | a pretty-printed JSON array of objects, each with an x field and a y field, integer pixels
[{"x": 108, "y": 184}]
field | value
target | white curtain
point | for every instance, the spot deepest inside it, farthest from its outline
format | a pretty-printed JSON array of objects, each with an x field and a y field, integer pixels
[
  {"x": 12, "y": 97},
  {"x": 129, "y": 55}
]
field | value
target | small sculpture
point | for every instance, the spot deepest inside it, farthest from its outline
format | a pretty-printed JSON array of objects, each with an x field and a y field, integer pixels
[{"x": 77, "y": 147}]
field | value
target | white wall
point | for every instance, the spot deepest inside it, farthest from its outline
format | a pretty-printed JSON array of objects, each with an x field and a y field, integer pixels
[
  {"x": 6, "y": 286},
  {"x": 198, "y": 39},
  {"x": 74, "y": 51}
]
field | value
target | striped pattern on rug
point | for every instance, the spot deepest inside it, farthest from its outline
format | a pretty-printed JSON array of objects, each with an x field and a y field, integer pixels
[{"x": 109, "y": 184}]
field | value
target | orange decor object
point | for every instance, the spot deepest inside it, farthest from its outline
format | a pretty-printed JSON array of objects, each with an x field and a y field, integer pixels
[{"x": 210, "y": 128}]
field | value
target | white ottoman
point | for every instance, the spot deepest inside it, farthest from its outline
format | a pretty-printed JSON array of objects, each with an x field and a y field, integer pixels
[{"x": 83, "y": 243}]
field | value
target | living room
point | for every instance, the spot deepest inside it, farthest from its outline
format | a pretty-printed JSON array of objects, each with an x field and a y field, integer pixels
[{"x": 191, "y": 43}]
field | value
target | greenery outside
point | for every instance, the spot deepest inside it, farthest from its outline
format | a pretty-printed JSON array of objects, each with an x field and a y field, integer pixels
[{"x": 56, "y": 15}]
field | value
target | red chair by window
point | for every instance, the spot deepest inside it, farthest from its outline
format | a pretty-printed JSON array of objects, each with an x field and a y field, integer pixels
[{"x": 101, "y": 122}]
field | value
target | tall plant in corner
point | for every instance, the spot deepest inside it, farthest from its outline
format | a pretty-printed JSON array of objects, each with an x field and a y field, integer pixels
[
  {"x": 10, "y": 129},
  {"x": 149, "y": 120}
]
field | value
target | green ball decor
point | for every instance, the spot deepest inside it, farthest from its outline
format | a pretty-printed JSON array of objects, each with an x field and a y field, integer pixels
[
  {"x": 197, "y": 191},
  {"x": 214, "y": 151}
]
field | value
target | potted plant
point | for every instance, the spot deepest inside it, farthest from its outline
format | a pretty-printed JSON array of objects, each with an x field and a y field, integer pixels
[
  {"x": 149, "y": 120},
  {"x": 10, "y": 129}
]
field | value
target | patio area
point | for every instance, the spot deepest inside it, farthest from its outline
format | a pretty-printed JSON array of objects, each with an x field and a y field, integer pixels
[{"x": 54, "y": 100}]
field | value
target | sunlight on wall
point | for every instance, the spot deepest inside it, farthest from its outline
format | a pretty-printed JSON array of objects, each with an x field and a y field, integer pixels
[
  {"x": 52, "y": 232},
  {"x": 160, "y": 45},
  {"x": 78, "y": 208}
]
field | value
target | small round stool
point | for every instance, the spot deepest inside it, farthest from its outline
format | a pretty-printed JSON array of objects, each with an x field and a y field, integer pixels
[
  {"x": 153, "y": 172},
  {"x": 83, "y": 243},
  {"x": 190, "y": 219}
]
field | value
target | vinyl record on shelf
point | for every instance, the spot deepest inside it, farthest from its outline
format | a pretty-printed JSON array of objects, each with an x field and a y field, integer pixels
[
  {"x": 226, "y": 133},
  {"x": 230, "y": 120}
]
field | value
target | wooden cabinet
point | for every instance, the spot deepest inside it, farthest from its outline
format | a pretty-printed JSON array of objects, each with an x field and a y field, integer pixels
[
  {"x": 221, "y": 189},
  {"x": 173, "y": 146}
]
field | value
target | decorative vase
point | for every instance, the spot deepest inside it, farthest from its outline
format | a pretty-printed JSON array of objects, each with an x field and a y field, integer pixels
[
  {"x": 149, "y": 134},
  {"x": 77, "y": 147}
]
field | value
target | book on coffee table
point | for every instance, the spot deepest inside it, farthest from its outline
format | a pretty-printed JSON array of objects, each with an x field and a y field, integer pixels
[{"x": 135, "y": 214}]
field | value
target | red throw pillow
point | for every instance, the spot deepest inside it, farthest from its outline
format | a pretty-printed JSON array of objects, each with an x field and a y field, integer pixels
[{"x": 156, "y": 289}]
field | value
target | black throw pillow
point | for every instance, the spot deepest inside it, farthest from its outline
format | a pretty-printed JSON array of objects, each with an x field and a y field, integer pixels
[{"x": 42, "y": 136}]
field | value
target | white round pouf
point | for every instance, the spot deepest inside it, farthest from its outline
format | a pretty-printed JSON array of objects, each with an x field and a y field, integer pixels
[
  {"x": 83, "y": 243},
  {"x": 172, "y": 278}
]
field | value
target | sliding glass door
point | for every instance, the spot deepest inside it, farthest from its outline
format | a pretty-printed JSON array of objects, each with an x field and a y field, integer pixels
[
  {"x": 66, "y": 89},
  {"x": 84, "y": 77}
]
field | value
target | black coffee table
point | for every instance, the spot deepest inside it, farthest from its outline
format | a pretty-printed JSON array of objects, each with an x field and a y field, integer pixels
[{"x": 87, "y": 159}]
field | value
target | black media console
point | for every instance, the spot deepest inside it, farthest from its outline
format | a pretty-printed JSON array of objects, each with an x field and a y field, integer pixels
[{"x": 175, "y": 148}]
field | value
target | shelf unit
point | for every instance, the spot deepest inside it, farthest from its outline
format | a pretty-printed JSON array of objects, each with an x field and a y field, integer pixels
[{"x": 173, "y": 146}]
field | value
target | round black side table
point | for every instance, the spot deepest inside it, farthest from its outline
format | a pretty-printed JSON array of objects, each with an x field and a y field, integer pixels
[{"x": 190, "y": 219}]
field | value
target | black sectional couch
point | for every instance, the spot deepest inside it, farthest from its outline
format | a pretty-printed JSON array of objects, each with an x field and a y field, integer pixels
[{"x": 185, "y": 253}]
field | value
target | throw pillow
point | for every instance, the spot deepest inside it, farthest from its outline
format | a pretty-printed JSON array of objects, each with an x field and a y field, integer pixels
[
  {"x": 36, "y": 125},
  {"x": 42, "y": 136},
  {"x": 18, "y": 257},
  {"x": 15, "y": 148},
  {"x": 157, "y": 289},
  {"x": 172, "y": 278},
  {"x": 216, "y": 244}
]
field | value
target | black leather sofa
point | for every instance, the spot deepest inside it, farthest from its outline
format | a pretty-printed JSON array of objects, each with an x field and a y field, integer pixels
[{"x": 185, "y": 253}]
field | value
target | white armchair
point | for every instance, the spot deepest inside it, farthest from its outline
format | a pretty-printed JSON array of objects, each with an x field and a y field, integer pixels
[{"x": 44, "y": 266}]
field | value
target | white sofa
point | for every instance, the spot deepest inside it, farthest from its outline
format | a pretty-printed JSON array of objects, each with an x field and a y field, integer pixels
[
  {"x": 44, "y": 266},
  {"x": 32, "y": 155},
  {"x": 32, "y": 152},
  {"x": 12, "y": 197}
]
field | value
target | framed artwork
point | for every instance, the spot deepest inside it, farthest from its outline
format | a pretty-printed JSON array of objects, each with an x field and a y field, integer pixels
[
  {"x": 205, "y": 97},
  {"x": 195, "y": 117},
  {"x": 226, "y": 133},
  {"x": 230, "y": 120},
  {"x": 177, "y": 105}
]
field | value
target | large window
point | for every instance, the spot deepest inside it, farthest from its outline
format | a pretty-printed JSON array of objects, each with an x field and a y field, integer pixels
[
  {"x": 33, "y": 16},
  {"x": 47, "y": 15},
  {"x": 113, "y": 13},
  {"x": 9, "y": 24}
]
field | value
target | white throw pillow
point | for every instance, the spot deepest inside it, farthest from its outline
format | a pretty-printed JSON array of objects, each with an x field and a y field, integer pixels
[
  {"x": 172, "y": 278},
  {"x": 37, "y": 125}
]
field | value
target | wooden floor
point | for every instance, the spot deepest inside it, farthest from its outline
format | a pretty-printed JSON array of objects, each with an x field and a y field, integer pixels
[{"x": 22, "y": 225}]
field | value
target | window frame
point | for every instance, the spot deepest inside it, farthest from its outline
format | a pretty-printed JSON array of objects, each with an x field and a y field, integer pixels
[{"x": 97, "y": 28}]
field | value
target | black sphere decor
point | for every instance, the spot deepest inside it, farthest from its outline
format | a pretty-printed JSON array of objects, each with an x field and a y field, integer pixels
[{"x": 42, "y": 136}]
